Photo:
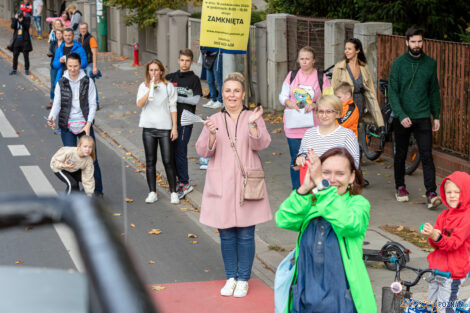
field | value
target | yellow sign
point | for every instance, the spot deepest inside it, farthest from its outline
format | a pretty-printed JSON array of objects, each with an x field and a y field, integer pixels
[{"x": 225, "y": 25}]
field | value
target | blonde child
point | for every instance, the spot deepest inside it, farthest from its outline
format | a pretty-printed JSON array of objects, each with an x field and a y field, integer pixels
[
  {"x": 75, "y": 164},
  {"x": 350, "y": 114},
  {"x": 450, "y": 238}
]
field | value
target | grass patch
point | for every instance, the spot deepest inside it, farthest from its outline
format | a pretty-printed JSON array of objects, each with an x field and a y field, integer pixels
[{"x": 410, "y": 235}]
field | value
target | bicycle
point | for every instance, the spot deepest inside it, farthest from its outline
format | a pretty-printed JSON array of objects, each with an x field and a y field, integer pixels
[
  {"x": 397, "y": 300},
  {"x": 373, "y": 139}
]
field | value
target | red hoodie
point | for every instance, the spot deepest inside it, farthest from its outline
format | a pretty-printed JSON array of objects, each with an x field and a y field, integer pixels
[{"x": 452, "y": 252}]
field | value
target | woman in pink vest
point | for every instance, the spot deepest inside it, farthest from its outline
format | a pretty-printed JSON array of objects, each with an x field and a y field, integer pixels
[{"x": 222, "y": 204}]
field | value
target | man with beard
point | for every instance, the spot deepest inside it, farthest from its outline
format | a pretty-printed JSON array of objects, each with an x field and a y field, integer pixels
[{"x": 414, "y": 97}]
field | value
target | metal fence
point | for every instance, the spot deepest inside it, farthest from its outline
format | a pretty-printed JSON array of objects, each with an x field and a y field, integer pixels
[
  {"x": 453, "y": 70},
  {"x": 305, "y": 31}
]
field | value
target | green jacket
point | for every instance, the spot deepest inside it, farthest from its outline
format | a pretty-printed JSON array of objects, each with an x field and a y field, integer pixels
[
  {"x": 349, "y": 218},
  {"x": 413, "y": 87}
]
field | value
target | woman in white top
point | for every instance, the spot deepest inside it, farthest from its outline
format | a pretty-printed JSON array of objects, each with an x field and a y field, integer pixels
[
  {"x": 329, "y": 134},
  {"x": 157, "y": 99}
]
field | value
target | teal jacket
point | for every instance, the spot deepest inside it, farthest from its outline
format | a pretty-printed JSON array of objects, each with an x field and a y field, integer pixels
[
  {"x": 413, "y": 87},
  {"x": 349, "y": 218}
]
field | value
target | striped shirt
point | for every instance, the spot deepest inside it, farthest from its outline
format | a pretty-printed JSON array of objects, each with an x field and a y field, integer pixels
[{"x": 340, "y": 137}]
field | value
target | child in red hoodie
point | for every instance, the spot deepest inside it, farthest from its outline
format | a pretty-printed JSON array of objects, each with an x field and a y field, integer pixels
[{"x": 451, "y": 239}]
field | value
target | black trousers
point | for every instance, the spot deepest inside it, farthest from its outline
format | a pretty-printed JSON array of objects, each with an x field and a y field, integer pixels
[
  {"x": 71, "y": 179},
  {"x": 19, "y": 47},
  {"x": 152, "y": 137},
  {"x": 422, "y": 130}
]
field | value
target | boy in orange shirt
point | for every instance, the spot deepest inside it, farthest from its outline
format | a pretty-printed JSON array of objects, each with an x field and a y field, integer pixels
[{"x": 350, "y": 115}]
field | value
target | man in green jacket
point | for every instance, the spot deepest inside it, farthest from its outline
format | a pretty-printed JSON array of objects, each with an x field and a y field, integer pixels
[{"x": 414, "y": 97}]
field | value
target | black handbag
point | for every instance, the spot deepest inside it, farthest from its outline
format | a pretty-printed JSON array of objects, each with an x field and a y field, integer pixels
[{"x": 208, "y": 59}]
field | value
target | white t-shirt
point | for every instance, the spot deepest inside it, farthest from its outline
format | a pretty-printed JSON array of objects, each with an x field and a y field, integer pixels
[
  {"x": 37, "y": 4},
  {"x": 157, "y": 113}
]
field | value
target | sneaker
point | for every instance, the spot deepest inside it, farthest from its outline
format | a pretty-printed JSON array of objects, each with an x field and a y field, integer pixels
[
  {"x": 49, "y": 106},
  {"x": 185, "y": 189},
  {"x": 179, "y": 186},
  {"x": 402, "y": 194},
  {"x": 174, "y": 198},
  {"x": 152, "y": 197},
  {"x": 241, "y": 290},
  {"x": 366, "y": 183},
  {"x": 203, "y": 162},
  {"x": 217, "y": 105},
  {"x": 433, "y": 201},
  {"x": 13, "y": 72},
  {"x": 27, "y": 72},
  {"x": 209, "y": 104},
  {"x": 229, "y": 287}
]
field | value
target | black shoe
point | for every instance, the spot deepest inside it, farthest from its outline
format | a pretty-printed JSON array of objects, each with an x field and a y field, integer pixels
[
  {"x": 27, "y": 72},
  {"x": 98, "y": 195},
  {"x": 13, "y": 72},
  {"x": 366, "y": 183}
]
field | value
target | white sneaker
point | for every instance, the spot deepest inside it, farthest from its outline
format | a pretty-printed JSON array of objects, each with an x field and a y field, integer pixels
[
  {"x": 241, "y": 290},
  {"x": 174, "y": 198},
  {"x": 217, "y": 105},
  {"x": 230, "y": 285},
  {"x": 152, "y": 197},
  {"x": 209, "y": 104}
]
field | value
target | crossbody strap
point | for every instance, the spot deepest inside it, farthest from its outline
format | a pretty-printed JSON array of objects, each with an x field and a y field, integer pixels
[{"x": 234, "y": 148}]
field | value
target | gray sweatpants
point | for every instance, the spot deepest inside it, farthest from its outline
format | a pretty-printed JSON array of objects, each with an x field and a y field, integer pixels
[{"x": 445, "y": 292}]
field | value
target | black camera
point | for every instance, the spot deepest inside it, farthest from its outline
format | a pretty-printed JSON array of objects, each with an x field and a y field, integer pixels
[{"x": 20, "y": 14}]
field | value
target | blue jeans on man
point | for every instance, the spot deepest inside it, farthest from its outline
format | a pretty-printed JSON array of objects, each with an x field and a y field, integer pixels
[
  {"x": 294, "y": 146},
  {"x": 181, "y": 153},
  {"x": 238, "y": 251},
  {"x": 53, "y": 74},
  {"x": 37, "y": 24},
  {"x": 70, "y": 140},
  {"x": 89, "y": 73},
  {"x": 214, "y": 76}
]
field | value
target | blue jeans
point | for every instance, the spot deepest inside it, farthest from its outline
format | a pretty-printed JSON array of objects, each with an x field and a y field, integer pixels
[
  {"x": 238, "y": 251},
  {"x": 294, "y": 146},
  {"x": 181, "y": 153},
  {"x": 53, "y": 73},
  {"x": 70, "y": 140},
  {"x": 89, "y": 73},
  {"x": 37, "y": 24},
  {"x": 215, "y": 75}
]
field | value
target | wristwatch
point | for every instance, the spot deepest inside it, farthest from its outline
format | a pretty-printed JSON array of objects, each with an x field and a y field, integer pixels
[{"x": 323, "y": 185}]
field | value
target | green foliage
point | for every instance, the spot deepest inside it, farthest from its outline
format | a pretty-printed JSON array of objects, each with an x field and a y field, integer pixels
[
  {"x": 142, "y": 12},
  {"x": 440, "y": 19}
]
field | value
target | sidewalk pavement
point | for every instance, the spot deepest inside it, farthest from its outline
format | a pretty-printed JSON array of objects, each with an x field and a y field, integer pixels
[{"x": 117, "y": 123}]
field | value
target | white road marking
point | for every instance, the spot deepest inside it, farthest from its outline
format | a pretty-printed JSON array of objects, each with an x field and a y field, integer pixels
[
  {"x": 6, "y": 129},
  {"x": 18, "y": 150},
  {"x": 42, "y": 187}
]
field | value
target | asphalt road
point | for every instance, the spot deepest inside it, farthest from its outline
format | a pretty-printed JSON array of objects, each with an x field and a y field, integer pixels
[{"x": 176, "y": 258}]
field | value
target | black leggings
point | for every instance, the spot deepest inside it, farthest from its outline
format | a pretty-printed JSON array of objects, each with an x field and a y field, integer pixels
[
  {"x": 151, "y": 138},
  {"x": 71, "y": 179}
]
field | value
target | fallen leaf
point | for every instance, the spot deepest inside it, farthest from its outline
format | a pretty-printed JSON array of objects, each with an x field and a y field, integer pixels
[
  {"x": 389, "y": 182},
  {"x": 192, "y": 236},
  {"x": 157, "y": 288},
  {"x": 111, "y": 116},
  {"x": 155, "y": 231},
  {"x": 386, "y": 175},
  {"x": 268, "y": 162},
  {"x": 120, "y": 146},
  {"x": 400, "y": 228},
  {"x": 207, "y": 271},
  {"x": 129, "y": 200},
  {"x": 28, "y": 228},
  {"x": 423, "y": 196},
  {"x": 19, "y": 262},
  {"x": 378, "y": 174},
  {"x": 132, "y": 225},
  {"x": 151, "y": 262},
  {"x": 185, "y": 209},
  {"x": 139, "y": 171},
  {"x": 194, "y": 242},
  {"x": 276, "y": 131},
  {"x": 117, "y": 214},
  {"x": 128, "y": 153}
]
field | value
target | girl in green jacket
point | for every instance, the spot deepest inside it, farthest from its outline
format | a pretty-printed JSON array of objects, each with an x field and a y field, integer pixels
[{"x": 331, "y": 218}]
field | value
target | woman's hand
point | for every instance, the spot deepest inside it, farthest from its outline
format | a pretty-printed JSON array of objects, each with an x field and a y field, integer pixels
[
  {"x": 174, "y": 134},
  {"x": 210, "y": 126},
  {"x": 431, "y": 232},
  {"x": 255, "y": 115},
  {"x": 300, "y": 160},
  {"x": 51, "y": 123},
  {"x": 314, "y": 166},
  {"x": 309, "y": 107},
  {"x": 291, "y": 105},
  {"x": 67, "y": 165},
  {"x": 86, "y": 129}
]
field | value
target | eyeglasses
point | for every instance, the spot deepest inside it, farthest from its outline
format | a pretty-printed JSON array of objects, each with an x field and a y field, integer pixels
[{"x": 327, "y": 112}]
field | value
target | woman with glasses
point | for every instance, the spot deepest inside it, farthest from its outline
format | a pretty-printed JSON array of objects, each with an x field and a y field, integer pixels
[{"x": 328, "y": 134}]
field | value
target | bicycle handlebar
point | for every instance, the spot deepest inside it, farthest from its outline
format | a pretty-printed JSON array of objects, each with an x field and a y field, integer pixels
[{"x": 441, "y": 273}]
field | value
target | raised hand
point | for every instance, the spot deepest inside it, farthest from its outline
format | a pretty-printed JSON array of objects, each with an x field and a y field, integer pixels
[{"x": 255, "y": 115}]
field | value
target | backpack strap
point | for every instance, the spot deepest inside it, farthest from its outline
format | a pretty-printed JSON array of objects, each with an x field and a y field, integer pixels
[
  {"x": 320, "y": 79},
  {"x": 292, "y": 76}
]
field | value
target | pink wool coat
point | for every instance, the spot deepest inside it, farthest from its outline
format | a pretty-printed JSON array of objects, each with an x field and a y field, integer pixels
[{"x": 220, "y": 206}]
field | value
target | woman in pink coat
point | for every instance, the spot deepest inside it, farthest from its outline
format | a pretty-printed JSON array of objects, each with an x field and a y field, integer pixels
[{"x": 222, "y": 207}]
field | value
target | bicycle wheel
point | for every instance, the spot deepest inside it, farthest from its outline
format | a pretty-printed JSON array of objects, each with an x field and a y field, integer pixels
[
  {"x": 412, "y": 158},
  {"x": 371, "y": 142},
  {"x": 396, "y": 252}
]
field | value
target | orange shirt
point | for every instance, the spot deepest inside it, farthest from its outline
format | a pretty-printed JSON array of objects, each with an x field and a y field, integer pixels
[
  {"x": 349, "y": 116},
  {"x": 93, "y": 43}
]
